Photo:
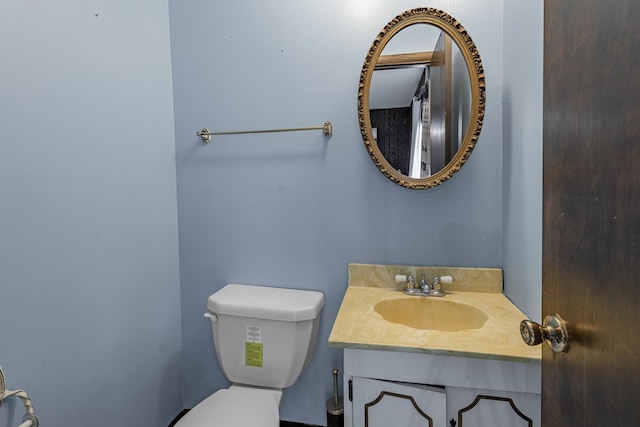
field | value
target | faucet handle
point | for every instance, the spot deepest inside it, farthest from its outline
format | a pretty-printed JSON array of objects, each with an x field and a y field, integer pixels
[
  {"x": 437, "y": 280},
  {"x": 405, "y": 278}
]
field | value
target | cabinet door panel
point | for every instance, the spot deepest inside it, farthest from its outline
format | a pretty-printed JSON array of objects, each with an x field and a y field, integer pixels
[
  {"x": 379, "y": 403},
  {"x": 481, "y": 408}
]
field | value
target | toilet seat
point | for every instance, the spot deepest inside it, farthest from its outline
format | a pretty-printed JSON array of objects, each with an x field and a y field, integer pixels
[{"x": 235, "y": 407}]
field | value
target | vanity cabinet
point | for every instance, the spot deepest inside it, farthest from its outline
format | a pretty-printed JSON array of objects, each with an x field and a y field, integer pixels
[
  {"x": 386, "y": 388},
  {"x": 457, "y": 360}
]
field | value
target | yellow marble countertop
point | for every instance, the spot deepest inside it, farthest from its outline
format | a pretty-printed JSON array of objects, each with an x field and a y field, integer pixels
[{"x": 359, "y": 326}]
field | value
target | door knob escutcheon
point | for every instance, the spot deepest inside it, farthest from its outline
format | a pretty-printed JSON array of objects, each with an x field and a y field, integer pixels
[{"x": 553, "y": 330}]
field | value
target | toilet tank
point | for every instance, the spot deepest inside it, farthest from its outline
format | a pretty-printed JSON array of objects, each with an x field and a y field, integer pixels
[{"x": 264, "y": 336}]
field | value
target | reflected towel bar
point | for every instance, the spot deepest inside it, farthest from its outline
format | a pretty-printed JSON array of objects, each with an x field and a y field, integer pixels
[{"x": 205, "y": 134}]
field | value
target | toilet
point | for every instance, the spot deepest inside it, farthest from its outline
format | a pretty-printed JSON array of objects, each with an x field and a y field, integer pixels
[{"x": 264, "y": 338}]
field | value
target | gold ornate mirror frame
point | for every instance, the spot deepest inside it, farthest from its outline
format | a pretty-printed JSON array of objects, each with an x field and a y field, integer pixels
[{"x": 457, "y": 32}]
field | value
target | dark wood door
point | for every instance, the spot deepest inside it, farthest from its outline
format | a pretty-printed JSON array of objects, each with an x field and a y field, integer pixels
[{"x": 591, "y": 211}]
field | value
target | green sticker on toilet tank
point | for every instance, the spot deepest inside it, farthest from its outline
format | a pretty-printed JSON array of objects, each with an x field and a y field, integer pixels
[{"x": 253, "y": 354}]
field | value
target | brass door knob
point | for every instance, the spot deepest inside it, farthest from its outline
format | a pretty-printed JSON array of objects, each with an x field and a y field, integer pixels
[{"x": 553, "y": 330}]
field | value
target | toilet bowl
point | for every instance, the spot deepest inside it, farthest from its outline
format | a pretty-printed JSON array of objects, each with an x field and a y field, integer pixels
[
  {"x": 264, "y": 337},
  {"x": 236, "y": 406}
]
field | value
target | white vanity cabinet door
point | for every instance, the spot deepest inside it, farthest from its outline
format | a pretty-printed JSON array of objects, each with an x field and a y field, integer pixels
[
  {"x": 464, "y": 379},
  {"x": 481, "y": 408},
  {"x": 378, "y": 403}
]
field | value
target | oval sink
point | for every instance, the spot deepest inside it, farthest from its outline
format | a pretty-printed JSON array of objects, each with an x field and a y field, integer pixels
[{"x": 431, "y": 313}]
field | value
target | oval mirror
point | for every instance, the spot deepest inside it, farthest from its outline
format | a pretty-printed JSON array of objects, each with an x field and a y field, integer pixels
[{"x": 421, "y": 98}]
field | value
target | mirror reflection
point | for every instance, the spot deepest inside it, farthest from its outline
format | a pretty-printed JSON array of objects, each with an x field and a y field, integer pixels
[{"x": 420, "y": 100}]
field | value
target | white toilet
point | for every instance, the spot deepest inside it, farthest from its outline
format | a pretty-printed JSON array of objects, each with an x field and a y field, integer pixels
[{"x": 264, "y": 337}]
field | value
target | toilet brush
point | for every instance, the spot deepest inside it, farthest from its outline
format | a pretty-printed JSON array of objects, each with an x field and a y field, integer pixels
[{"x": 335, "y": 409}]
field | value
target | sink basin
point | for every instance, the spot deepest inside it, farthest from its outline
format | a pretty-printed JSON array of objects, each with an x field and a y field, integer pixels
[{"x": 431, "y": 314}]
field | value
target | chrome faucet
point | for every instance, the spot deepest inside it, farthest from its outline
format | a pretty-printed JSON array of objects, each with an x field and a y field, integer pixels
[
  {"x": 432, "y": 289},
  {"x": 425, "y": 288}
]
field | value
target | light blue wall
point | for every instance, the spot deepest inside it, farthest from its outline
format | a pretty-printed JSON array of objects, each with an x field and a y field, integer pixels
[
  {"x": 89, "y": 277},
  {"x": 522, "y": 136},
  {"x": 292, "y": 209}
]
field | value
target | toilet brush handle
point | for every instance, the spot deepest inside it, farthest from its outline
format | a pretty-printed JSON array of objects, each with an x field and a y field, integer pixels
[{"x": 335, "y": 387}]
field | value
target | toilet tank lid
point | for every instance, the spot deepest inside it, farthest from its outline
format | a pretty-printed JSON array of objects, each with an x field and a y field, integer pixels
[{"x": 262, "y": 302}]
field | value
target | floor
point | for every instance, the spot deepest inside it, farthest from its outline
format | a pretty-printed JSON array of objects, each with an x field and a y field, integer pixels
[
  {"x": 180, "y": 415},
  {"x": 292, "y": 424}
]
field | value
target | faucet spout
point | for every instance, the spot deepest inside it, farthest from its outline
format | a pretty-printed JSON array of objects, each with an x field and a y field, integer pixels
[{"x": 424, "y": 285}]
